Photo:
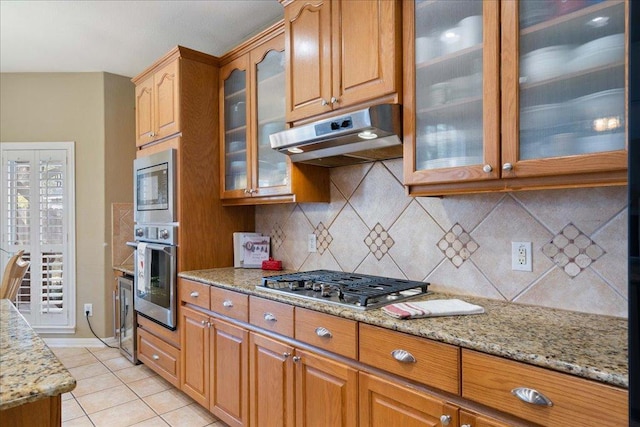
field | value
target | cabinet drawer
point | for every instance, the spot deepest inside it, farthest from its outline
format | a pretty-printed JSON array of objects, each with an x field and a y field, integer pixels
[
  {"x": 167, "y": 335},
  {"x": 271, "y": 315},
  {"x": 194, "y": 293},
  {"x": 429, "y": 362},
  {"x": 328, "y": 332},
  {"x": 230, "y": 303},
  {"x": 576, "y": 401},
  {"x": 159, "y": 356}
]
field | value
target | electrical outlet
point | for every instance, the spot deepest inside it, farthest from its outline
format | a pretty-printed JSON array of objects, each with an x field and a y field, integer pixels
[
  {"x": 88, "y": 308},
  {"x": 521, "y": 256},
  {"x": 312, "y": 243}
]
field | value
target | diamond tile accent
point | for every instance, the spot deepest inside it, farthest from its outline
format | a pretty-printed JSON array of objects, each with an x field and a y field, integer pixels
[
  {"x": 379, "y": 241},
  {"x": 457, "y": 245},
  {"x": 323, "y": 238},
  {"x": 277, "y": 236},
  {"x": 572, "y": 250}
]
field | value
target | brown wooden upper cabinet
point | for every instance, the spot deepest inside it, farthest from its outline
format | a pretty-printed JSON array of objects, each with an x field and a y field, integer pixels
[
  {"x": 252, "y": 106},
  {"x": 510, "y": 95},
  {"x": 340, "y": 54},
  {"x": 157, "y": 104}
]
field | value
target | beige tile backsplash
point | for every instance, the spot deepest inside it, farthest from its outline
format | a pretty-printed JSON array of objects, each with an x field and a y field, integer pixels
[
  {"x": 122, "y": 226},
  {"x": 462, "y": 244}
]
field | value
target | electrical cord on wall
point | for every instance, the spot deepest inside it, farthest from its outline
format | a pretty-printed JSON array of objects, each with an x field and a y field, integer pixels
[{"x": 86, "y": 314}]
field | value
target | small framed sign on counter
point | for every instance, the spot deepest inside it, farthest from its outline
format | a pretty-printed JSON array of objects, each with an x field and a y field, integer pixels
[{"x": 250, "y": 249}]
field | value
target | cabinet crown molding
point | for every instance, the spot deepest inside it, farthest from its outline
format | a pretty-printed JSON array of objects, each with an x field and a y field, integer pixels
[
  {"x": 269, "y": 33},
  {"x": 177, "y": 52}
]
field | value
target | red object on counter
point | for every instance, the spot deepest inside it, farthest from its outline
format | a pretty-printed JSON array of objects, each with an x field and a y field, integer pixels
[{"x": 272, "y": 264}]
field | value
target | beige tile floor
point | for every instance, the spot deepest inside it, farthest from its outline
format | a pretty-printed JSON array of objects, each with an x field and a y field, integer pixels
[{"x": 112, "y": 392}]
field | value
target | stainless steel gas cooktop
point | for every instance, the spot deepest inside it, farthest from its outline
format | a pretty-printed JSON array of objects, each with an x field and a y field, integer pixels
[{"x": 357, "y": 291}]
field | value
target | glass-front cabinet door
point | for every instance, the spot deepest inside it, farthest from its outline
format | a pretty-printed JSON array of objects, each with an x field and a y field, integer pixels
[
  {"x": 270, "y": 166},
  {"x": 564, "y": 87},
  {"x": 452, "y": 117},
  {"x": 234, "y": 108},
  {"x": 503, "y": 95}
]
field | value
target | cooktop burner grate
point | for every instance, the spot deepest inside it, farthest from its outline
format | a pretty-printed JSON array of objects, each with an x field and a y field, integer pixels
[{"x": 349, "y": 289}]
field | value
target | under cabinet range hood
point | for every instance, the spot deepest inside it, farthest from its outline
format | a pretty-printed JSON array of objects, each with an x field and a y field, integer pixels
[{"x": 360, "y": 136}]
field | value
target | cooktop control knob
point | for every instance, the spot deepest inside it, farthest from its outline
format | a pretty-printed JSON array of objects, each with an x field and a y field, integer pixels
[
  {"x": 139, "y": 232},
  {"x": 164, "y": 233}
]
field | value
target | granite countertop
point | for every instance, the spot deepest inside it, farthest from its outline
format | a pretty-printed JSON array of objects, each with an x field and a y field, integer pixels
[
  {"x": 586, "y": 345},
  {"x": 126, "y": 269},
  {"x": 29, "y": 371}
]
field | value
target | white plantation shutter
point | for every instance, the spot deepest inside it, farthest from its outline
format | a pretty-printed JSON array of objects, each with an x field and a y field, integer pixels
[{"x": 38, "y": 217}]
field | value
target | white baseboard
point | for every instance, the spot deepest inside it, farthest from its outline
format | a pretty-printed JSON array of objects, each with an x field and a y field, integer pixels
[{"x": 80, "y": 342}]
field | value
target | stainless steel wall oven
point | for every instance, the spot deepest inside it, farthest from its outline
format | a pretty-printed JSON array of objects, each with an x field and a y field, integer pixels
[{"x": 156, "y": 273}]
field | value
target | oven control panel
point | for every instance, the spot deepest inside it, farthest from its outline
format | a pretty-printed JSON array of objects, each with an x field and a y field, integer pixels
[{"x": 156, "y": 233}]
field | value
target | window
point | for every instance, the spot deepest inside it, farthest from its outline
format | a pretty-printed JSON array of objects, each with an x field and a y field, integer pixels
[{"x": 38, "y": 216}]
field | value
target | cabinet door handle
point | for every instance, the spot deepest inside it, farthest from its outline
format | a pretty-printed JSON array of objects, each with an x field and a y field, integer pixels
[
  {"x": 155, "y": 357},
  {"x": 334, "y": 100},
  {"x": 445, "y": 420},
  {"x": 296, "y": 359},
  {"x": 323, "y": 332},
  {"x": 487, "y": 168},
  {"x": 286, "y": 355},
  {"x": 227, "y": 303},
  {"x": 270, "y": 317},
  {"x": 151, "y": 134},
  {"x": 529, "y": 395},
  {"x": 195, "y": 294},
  {"x": 403, "y": 356},
  {"x": 507, "y": 167},
  {"x": 324, "y": 102}
]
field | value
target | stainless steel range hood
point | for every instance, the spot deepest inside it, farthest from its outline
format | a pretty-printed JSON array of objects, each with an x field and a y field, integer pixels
[{"x": 360, "y": 136}]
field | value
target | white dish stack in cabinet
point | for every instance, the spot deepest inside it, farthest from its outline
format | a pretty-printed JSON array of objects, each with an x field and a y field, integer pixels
[{"x": 508, "y": 95}]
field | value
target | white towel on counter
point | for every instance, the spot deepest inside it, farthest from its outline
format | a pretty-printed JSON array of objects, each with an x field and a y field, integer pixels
[
  {"x": 142, "y": 269},
  {"x": 437, "y": 307}
]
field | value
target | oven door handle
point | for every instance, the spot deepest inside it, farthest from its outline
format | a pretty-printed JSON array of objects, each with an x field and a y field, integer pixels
[{"x": 168, "y": 249}]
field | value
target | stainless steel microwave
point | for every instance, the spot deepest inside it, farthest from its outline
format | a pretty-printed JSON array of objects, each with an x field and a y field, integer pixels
[{"x": 154, "y": 188}]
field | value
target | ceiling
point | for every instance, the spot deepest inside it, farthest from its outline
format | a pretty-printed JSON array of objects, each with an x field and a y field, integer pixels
[{"x": 122, "y": 37}]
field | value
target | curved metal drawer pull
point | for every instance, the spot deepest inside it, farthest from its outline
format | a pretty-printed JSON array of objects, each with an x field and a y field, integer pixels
[
  {"x": 227, "y": 303},
  {"x": 403, "y": 356},
  {"x": 529, "y": 395},
  {"x": 323, "y": 332},
  {"x": 155, "y": 357},
  {"x": 270, "y": 317},
  {"x": 195, "y": 294}
]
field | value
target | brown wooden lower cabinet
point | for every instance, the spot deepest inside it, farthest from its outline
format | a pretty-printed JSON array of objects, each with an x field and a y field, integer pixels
[
  {"x": 271, "y": 382},
  {"x": 42, "y": 413},
  {"x": 294, "y": 387},
  {"x": 215, "y": 366},
  {"x": 158, "y": 349},
  {"x": 384, "y": 403},
  {"x": 196, "y": 351},
  {"x": 230, "y": 373},
  {"x": 326, "y": 392},
  {"x": 250, "y": 378},
  {"x": 491, "y": 381}
]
